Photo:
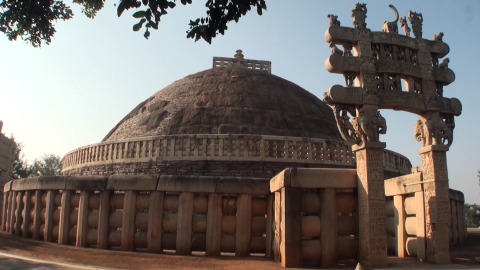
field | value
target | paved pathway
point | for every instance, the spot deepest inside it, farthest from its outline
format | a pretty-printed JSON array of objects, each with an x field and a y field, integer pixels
[{"x": 20, "y": 253}]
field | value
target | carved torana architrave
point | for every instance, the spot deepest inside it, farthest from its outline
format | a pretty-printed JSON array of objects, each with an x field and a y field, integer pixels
[{"x": 388, "y": 70}]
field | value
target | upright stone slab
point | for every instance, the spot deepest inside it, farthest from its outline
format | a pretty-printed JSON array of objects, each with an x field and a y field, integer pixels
[
  {"x": 371, "y": 205},
  {"x": 437, "y": 203}
]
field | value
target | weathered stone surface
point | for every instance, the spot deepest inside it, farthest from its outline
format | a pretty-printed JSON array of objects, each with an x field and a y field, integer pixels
[
  {"x": 230, "y": 100},
  {"x": 132, "y": 182},
  {"x": 177, "y": 183},
  {"x": 98, "y": 183},
  {"x": 314, "y": 178}
]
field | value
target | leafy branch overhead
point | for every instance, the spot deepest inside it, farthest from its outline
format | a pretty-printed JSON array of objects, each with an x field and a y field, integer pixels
[{"x": 34, "y": 20}]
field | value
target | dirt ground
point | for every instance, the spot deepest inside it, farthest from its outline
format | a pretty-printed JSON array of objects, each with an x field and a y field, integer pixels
[{"x": 464, "y": 256}]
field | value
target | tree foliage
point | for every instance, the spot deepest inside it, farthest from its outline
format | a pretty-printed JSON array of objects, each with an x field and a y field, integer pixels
[
  {"x": 49, "y": 164},
  {"x": 21, "y": 169},
  {"x": 472, "y": 215},
  {"x": 33, "y": 20}
]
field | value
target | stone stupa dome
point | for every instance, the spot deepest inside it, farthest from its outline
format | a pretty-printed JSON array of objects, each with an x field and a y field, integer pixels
[
  {"x": 236, "y": 119},
  {"x": 229, "y": 100}
]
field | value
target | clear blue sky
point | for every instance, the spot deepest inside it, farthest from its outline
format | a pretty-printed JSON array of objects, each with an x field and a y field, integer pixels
[{"x": 71, "y": 93}]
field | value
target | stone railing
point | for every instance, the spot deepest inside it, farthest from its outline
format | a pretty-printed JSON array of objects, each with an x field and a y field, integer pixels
[
  {"x": 264, "y": 66},
  {"x": 210, "y": 215},
  {"x": 224, "y": 147},
  {"x": 316, "y": 217},
  {"x": 405, "y": 209}
]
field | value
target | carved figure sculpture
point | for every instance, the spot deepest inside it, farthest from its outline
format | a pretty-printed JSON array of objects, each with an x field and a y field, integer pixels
[
  {"x": 404, "y": 25},
  {"x": 347, "y": 49},
  {"x": 436, "y": 131},
  {"x": 359, "y": 14},
  {"x": 448, "y": 136},
  {"x": 439, "y": 89},
  {"x": 444, "y": 63},
  {"x": 381, "y": 124},
  {"x": 333, "y": 20},
  {"x": 416, "y": 19},
  {"x": 438, "y": 37},
  {"x": 335, "y": 50},
  {"x": 434, "y": 60},
  {"x": 346, "y": 128},
  {"x": 369, "y": 127},
  {"x": 391, "y": 27},
  {"x": 419, "y": 132},
  {"x": 376, "y": 51},
  {"x": 349, "y": 78},
  {"x": 417, "y": 86}
]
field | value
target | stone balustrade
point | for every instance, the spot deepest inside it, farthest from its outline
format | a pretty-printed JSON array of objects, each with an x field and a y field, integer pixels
[
  {"x": 224, "y": 147},
  {"x": 209, "y": 215},
  {"x": 405, "y": 221},
  {"x": 264, "y": 66},
  {"x": 316, "y": 219},
  {"x": 303, "y": 216}
]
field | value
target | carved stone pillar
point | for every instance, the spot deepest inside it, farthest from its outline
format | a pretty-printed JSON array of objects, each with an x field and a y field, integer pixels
[
  {"x": 371, "y": 204},
  {"x": 437, "y": 203}
]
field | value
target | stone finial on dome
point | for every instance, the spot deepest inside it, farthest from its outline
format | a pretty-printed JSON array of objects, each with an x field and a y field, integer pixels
[
  {"x": 239, "y": 55},
  {"x": 221, "y": 62}
]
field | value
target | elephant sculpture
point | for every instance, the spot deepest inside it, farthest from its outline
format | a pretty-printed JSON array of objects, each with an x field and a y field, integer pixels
[{"x": 369, "y": 127}]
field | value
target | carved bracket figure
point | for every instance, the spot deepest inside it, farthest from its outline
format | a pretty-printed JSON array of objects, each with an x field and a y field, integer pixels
[
  {"x": 404, "y": 25},
  {"x": 359, "y": 14},
  {"x": 333, "y": 20},
  {"x": 435, "y": 130},
  {"x": 416, "y": 19},
  {"x": 391, "y": 27},
  {"x": 335, "y": 49},
  {"x": 444, "y": 63},
  {"x": 438, "y": 37},
  {"x": 346, "y": 128},
  {"x": 369, "y": 124}
]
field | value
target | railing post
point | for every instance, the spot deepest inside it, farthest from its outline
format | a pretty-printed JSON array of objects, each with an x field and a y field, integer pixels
[
  {"x": 291, "y": 218},
  {"x": 64, "y": 223},
  {"x": 18, "y": 213},
  {"x": 27, "y": 210},
  {"x": 155, "y": 218},
  {"x": 420, "y": 216},
  {"x": 277, "y": 228},
  {"x": 50, "y": 203},
  {"x": 4, "y": 209},
  {"x": 214, "y": 225},
  {"x": 269, "y": 234},
  {"x": 128, "y": 220},
  {"x": 454, "y": 226},
  {"x": 82, "y": 226},
  {"x": 103, "y": 216},
  {"x": 244, "y": 225},
  {"x": 184, "y": 224},
  {"x": 36, "y": 216},
  {"x": 399, "y": 216},
  {"x": 461, "y": 221},
  {"x": 13, "y": 208},
  {"x": 329, "y": 234}
]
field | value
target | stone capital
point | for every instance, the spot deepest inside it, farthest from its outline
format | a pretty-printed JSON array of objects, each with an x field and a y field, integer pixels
[
  {"x": 369, "y": 145},
  {"x": 432, "y": 148}
]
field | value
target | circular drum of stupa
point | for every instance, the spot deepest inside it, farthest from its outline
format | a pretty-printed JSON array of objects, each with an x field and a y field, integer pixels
[{"x": 235, "y": 119}]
